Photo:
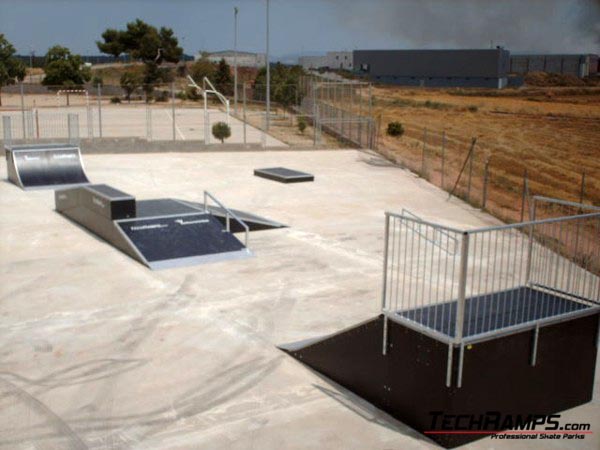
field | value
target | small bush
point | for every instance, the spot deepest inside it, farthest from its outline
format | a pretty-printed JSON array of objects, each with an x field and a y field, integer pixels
[
  {"x": 301, "y": 124},
  {"x": 473, "y": 108},
  {"x": 115, "y": 100},
  {"x": 161, "y": 96},
  {"x": 181, "y": 95},
  {"x": 395, "y": 129},
  {"x": 221, "y": 131},
  {"x": 193, "y": 93}
]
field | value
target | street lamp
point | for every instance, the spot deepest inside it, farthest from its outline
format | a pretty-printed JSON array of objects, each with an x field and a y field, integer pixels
[
  {"x": 268, "y": 118},
  {"x": 235, "y": 71}
]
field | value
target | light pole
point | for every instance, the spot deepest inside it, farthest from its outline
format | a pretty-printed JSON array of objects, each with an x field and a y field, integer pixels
[
  {"x": 235, "y": 71},
  {"x": 268, "y": 118}
]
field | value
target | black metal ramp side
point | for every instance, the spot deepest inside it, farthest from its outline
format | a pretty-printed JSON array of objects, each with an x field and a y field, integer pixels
[
  {"x": 409, "y": 382},
  {"x": 181, "y": 240},
  {"x": 36, "y": 168}
]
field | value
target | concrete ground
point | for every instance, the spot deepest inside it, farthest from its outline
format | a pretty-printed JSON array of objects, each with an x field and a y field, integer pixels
[{"x": 97, "y": 351}]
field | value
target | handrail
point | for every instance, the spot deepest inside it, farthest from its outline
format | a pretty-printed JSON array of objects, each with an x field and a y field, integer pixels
[{"x": 228, "y": 213}]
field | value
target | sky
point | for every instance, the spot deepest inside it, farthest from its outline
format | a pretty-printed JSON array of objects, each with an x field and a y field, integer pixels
[{"x": 312, "y": 26}]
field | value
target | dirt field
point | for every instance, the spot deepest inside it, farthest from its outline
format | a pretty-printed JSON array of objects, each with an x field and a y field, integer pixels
[{"x": 554, "y": 133}]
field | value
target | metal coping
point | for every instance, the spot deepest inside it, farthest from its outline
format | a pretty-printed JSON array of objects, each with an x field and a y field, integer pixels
[{"x": 90, "y": 187}]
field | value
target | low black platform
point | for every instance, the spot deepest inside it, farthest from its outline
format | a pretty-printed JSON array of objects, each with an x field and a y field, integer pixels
[
  {"x": 45, "y": 166},
  {"x": 283, "y": 175},
  {"x": 409, "y": 382},
  {"x": 159, "y": 233}
]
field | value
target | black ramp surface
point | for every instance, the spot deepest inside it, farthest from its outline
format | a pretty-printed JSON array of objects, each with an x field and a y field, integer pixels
[
  {"x": 283, "y": 175},
  {"x": 495, "y": 310},
  {"x": 181, "y": 236},
  {"x": 53, "y": 167}
]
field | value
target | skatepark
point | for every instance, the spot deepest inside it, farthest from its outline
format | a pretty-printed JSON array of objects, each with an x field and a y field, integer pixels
[{"x": 101, "y": 352}]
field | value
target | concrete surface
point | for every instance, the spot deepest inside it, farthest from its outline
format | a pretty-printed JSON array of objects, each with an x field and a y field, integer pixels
[{"x": 97, "y": 351}]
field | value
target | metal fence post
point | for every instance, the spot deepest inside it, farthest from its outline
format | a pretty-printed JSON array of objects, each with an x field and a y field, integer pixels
[
  {"x": 485, "y": 183},
  {"x": 524, "y": 195},
  {"x": 244, "y": 112},
  {"x": 443, "y": 157},
  {"x": 23, "y": 109},
  {"x": 7, "y": 130},
  {"x": 582, "y": 190},
  {"x": 173, "y": 109},
  {"x": 99, "y": 94},
  {"x": 423, "y": 152},
  {"x": 470, "y": 179}
]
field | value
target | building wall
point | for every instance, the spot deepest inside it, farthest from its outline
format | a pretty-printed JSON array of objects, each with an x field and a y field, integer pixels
[
  {"x": 244, "y": 59},
  {"x": 577, "y": 65},
  {"x": 331, "y": 60},
  {"x": 440, "y": 68}
]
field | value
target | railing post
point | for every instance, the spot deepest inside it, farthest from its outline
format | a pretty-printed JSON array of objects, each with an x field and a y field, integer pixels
[
  {"x": 530, "y": 244},
  {"x": 384, "y": 287},
  {"x": 205, "y": 202},
  {"x": 462, "y": 288}
]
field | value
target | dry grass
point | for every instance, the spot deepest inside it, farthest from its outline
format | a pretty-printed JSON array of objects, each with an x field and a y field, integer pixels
[{"x": 553, "y": 133}]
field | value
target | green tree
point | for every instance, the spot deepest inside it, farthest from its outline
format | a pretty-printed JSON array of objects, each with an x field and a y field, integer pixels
[
  {"x": 301, "y": 124},
  {"x": 130, "y": 81},
  {"x": 112, "y": 44},
  {"x": 221, "y": 131},
  {"x": 145, "y": 43},
  {"x": 202, "y": 68},
  {"x": 64, "y": 69},
  {"x": 11, "y": 68},
  {"x": 395, "y": 129},
  {"x": 222, "y": 78},
  {"x": 284, "y": 84}
]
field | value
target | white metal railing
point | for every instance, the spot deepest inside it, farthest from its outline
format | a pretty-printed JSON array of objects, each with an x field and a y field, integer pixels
[
  {"x": 499, "y": 279},
  {"x": 228, "y": 215}
]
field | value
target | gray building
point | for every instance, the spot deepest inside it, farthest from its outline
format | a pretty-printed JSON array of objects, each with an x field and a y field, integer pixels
[
  {"x": 244, "y": 59},
  {"x": 435, "y": 68},
  {"x": 331, "y": 60},
  {"x": 578, "y": 65}
]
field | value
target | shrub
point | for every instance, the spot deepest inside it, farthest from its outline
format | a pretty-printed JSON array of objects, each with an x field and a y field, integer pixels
[
  {"x": 395, "y": 129},
  {"x": 221, "y": 131},
  {"x": 181, "y": 95},
  {"x": 115, "y": 100},
  {"x": 301, "y": 124},
  {"x": 193, "y": 93},
  {"x": 473, "y": 108},
  {"x": 161, "y": 96}
]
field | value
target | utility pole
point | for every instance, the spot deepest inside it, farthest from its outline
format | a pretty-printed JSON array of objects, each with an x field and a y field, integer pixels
[
  {"x": 268, "y": 118},
  {"x": 235, "y": 71}
]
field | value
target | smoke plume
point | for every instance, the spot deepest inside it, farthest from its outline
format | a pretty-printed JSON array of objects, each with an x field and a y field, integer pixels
[{"x": 553, "y": 26}]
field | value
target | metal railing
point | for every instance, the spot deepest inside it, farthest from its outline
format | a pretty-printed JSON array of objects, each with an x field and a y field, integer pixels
[
  {"x": 499, "y": 280},
  {"x": 228, "y": 215}
]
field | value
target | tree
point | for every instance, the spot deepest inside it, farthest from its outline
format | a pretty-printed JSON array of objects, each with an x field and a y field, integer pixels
[
  {"x": 222, "y": 77},
  {"x": 112, "y": 44},
  {"x": 284, "y": 84},
  {"x": 144, "y": 43},
  {"x": 221, "y": 131},
  {"x": 64, "y": 69},
  {"x": 202, "y": 68},
  {"x": 11, "y": 68},
  {"x": 130, "y": 81}
]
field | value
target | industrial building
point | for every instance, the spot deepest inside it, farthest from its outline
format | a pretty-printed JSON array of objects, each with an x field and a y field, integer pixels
[
  {"x": 486, "y": 68},
  {"x": 331, "y": 60},
  {"x": 244, "y": 59},
  {"x": 570, "y": 64}
]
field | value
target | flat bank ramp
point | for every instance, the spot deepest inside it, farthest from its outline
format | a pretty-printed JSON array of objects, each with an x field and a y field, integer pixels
[{"x": 181, "y": 240}]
